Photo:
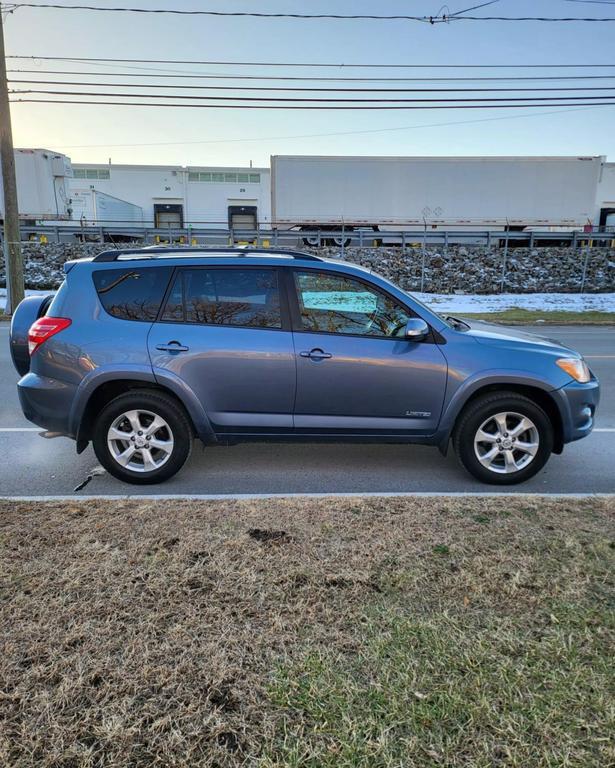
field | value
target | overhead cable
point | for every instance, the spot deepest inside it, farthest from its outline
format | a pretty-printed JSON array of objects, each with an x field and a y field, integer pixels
[
  {"x": 237, "y": 98},
  {"x": 296, "y": 89},
  {"x": 437, "y": 19},
  {"x": 297, "y": 78},
  {"x": 312, "y": 65},
  {"x": 382, "y": 107}
]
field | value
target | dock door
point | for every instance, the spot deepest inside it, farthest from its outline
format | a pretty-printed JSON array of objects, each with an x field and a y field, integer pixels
[
  {"x": 169, "y": 215},
  {"x": 242, "y": 218}
]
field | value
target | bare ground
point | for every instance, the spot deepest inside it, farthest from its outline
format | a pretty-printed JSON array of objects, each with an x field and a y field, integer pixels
[{"x": 342, "y": 632}]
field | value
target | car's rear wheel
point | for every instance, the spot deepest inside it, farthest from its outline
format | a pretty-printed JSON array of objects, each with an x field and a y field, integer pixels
[
  {"x": 503, "y": 438},
  {"x": 142, "y": 437}
]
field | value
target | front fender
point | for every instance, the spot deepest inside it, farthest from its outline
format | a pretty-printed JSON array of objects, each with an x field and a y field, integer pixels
[{"x": 457, "y": 399}]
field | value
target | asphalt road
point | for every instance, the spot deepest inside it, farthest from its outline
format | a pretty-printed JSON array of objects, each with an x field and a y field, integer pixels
[{"x": 30, "y": 465}]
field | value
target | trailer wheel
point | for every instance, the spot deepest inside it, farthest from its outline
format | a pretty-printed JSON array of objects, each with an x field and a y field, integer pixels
[
  {"x": 311, "y": 238},
  {"x": 340, "y": 242}
]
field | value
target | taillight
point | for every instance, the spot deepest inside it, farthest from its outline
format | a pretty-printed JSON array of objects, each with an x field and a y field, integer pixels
[{"x": 44, "y": 328}]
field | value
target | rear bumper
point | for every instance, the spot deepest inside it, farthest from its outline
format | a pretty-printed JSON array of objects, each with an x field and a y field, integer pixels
[
  {"x": 577, "y": 404},
  {"x": 46, "y": 402}
]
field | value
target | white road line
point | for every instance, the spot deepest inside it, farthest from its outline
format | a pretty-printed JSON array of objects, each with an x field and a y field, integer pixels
[
  {"x": 253, "y": 496},
  {"x": 21, "y": 429}
]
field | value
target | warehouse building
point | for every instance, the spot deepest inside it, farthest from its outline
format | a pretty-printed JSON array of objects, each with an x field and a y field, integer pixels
[
  {"x": 54, "y": 190},
  {"x": 172, "y": 196}
]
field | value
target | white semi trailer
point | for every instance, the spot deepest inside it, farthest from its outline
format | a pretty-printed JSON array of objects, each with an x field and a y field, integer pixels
[
  {"x": 453, "y": 193},
  {"x": 91, "y": 207},
  {"x": 42, "y": 185}
]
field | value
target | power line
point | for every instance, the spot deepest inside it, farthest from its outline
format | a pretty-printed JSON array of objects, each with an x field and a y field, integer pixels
[
  {"x": 434, "y": 19},
  {"x": 277, "y": 99},
  {"x": 382, "y": 107},
  {"x": 340, "y": 65},
  {"x": 530, "y": 18},
  {"x": 239, "y": 76},
  {"x": 296, "y": 89},
  {"x": 250, "y": 14},
  {"x": 323, "y": 135},
  {"x": 475, "y": 7}
]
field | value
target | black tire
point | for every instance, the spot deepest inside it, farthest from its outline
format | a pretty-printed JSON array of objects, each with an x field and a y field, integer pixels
[
  {"x": 28, "y": 310},
  {"x": 477, "y": 413},
  {"x": 156, "y": 403},
  {"x": 337, "y": 242},
  {"x": 311, "y": 239}
]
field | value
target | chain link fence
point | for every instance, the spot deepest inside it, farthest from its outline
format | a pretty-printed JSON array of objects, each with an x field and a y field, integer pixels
[{"x": 432, "y": 268}]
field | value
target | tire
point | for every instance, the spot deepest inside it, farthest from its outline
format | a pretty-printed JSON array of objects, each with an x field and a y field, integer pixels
[
  {"x": 339, "y": 242},
  {"x": 27, "y": 311},
  {"x": 311, "y": 239},
  {"x": 152, "y": 456},
  {"x": 506, "y": 456}
]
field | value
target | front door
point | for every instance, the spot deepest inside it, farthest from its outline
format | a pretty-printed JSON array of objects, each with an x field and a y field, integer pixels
[
  {"x": 224, "y": 334},
  {"x": 356, "y": 372}
]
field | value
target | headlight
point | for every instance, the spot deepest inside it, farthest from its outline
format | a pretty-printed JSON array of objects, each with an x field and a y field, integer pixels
[{"x": 575, "y": 367}]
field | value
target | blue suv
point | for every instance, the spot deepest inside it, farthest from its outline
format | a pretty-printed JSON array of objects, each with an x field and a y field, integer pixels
[{"x": 140, "y": 351}]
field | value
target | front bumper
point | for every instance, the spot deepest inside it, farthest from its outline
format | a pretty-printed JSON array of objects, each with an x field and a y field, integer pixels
[
  {"x": 577, "y": 404},
  {"x": 46, "y": 402}
]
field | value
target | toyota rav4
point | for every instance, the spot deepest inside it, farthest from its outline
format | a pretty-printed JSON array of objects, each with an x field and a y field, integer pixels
[{"x": 140, "y": 351}]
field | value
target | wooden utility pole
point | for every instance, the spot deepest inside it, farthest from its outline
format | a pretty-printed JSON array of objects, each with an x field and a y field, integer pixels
[{"x": 11, "y": 242}]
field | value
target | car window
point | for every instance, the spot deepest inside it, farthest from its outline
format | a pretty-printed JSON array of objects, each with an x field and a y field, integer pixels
[
  {"x": 243, "y": 297},
  {"x": 330, "y": 303},
  {"x": 54, "y": 309},
  {"x": 132, "y": 294}
]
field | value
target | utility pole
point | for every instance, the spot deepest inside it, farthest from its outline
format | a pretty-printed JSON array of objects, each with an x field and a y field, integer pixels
[{"x": 11, "y": 242}]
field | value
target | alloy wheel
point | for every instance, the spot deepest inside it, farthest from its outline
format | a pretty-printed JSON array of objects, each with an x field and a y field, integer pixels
[
  {"x": 506, "y": 442},
  {"x": 140, "y": 440}
]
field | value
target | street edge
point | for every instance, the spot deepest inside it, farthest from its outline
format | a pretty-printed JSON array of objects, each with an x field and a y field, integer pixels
[{"x": 255, "y": 496}]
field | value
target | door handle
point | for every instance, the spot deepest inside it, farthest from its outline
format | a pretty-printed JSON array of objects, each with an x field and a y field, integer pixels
[
  {"x": 316, "y": 354},
  {"x": 172, "y": 346}
]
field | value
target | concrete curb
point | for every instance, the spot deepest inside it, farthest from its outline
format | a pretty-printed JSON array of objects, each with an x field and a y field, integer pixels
[{"x": 254, "y": 496}]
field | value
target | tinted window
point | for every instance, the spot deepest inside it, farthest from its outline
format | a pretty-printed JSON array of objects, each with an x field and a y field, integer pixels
[
  {"x": 245, "y": 297},
  {"x": 330, "y": 303},
  {"x": 132, "y": 294}
]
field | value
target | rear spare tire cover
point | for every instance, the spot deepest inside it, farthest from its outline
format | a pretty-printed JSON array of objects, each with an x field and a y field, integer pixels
[{"x": 29, "y": 310}]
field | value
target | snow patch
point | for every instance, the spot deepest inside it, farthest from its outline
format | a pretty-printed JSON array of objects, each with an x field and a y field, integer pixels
[
  {"x": 29, "y": 292},
  {"x": 546, "y": 302},
  {"x": 460, "y": 303}
]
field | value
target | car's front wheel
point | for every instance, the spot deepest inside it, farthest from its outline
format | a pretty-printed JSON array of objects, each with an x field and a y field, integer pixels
[
  {"x": 142, "y": 437},
  {"x": 503, "y": 438}
]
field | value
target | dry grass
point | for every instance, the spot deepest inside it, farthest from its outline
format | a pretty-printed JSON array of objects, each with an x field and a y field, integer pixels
[{"x": 340, "y": 632}]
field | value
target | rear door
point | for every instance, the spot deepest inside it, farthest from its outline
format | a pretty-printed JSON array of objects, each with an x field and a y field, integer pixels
[
  {"x": 225, "y": 332},
  {"x": 356, "y": 371}
]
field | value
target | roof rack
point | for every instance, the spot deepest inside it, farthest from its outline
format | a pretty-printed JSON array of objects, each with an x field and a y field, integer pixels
[{"x": 156, "y": 251}]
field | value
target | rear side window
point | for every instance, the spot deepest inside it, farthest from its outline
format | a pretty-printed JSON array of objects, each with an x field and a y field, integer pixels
[
  {"x": 244, "y": 297},
  {"x": 55, "y": 308},
  {"x": 132, "y": 294}
]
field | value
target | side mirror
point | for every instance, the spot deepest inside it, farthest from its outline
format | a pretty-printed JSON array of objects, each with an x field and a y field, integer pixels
[{"x": 416, "y": 329}]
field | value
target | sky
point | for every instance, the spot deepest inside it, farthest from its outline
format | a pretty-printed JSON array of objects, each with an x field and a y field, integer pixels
[{"x": 238, "y": 137}]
